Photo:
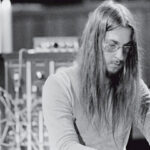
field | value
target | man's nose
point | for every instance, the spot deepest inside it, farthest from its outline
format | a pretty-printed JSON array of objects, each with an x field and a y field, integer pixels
[{"x": 120, "y": 54}]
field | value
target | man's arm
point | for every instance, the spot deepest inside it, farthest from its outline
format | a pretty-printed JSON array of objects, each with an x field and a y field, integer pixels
[
  {"x": 144, "y": 102},
  {"x": 58, "y": 116}
]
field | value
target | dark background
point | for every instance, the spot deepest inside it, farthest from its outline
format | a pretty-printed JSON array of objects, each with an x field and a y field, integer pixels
[
  {"x": 30, "y": 20},
  {"x": 50, "y": 2}
]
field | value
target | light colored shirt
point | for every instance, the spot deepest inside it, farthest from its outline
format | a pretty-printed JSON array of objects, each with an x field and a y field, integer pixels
[{"x": 67, "y": 124}]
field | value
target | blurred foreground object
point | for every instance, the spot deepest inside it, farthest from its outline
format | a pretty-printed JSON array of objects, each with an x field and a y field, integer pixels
[{"x": 6, "y": 26}]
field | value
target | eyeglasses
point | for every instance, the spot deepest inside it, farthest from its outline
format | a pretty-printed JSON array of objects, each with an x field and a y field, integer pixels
[{"x": 111, "y": 46}]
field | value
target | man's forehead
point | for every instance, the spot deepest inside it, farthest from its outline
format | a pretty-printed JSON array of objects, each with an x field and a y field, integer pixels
[{"x": 120, "y": 35}]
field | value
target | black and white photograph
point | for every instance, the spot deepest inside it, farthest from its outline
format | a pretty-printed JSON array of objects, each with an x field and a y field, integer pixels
[{"x": 74, "y": 75}]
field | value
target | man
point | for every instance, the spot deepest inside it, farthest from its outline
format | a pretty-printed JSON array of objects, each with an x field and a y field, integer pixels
[{"x": 92, "y": 105}]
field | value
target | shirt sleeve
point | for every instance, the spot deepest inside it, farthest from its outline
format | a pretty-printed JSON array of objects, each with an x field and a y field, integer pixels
[
  {"x": 144, "y": 101},
  {"x": 58, "y": 116}
]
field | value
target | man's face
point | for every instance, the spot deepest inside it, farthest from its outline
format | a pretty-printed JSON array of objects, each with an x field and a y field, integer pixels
[{"x": 116, "y": 47}]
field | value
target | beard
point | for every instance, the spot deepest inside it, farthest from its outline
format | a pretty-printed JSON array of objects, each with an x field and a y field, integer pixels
[{"x": 114, "y": 78}]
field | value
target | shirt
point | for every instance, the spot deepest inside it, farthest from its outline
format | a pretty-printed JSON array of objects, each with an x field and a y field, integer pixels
[{"x": 68, "y": 126}]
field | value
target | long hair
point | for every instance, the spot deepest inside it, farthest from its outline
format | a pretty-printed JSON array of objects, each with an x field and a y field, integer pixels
[{"x": 98, "y": 95}]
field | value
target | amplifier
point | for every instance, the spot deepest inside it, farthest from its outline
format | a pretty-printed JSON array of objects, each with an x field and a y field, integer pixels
[{"x": 42, "y": 64}]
